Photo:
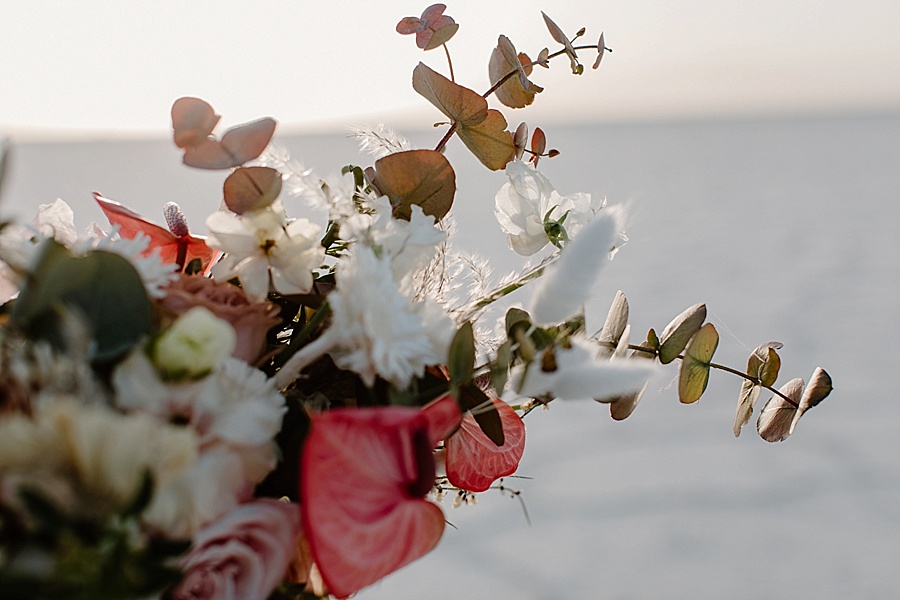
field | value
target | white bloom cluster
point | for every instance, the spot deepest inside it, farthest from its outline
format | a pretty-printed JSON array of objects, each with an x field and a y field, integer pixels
[{"x": 527, "y": 207}]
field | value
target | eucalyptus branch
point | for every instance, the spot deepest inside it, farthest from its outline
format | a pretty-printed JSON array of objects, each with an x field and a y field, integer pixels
[
  {"x": 449, "y": 62},
  {"x": 727, "y": 369}
]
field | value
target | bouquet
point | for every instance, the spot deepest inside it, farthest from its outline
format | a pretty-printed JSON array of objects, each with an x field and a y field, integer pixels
[{"x": 277, "y": 408}]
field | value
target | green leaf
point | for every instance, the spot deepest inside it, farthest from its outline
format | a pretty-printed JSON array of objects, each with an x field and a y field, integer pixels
[
  {"x": 652, "y": 340},
  {"x": 474, "y": 400},
  {"x": 694, "y": 373},
  {"x": 516, "y": 317},
  {"x": 768, "y": 370},
  {"x": 500, "y": 367},
  {"x": 677, "y": 333},
  {"x": 461, "y": 362},
  {"x": 101, "y": 288}
]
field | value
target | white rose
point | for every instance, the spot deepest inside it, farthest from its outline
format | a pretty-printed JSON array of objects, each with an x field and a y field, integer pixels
[{"x": 195, "y": 344}]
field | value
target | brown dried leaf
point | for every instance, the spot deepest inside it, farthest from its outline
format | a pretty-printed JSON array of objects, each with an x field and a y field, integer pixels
[
  {"x": 776, "y": 417},
  {"x": 520, "y": 139},
  {"x": 515, "y": 92},
  {"x": 421, "y": 177},
  {"x": 818, "y": 389},
  {"x": 458, "y": 103},
  {"x": 489, "y": 141},
  {"x": 251, "y": 188},
  {"x": 601, "y": 48}
]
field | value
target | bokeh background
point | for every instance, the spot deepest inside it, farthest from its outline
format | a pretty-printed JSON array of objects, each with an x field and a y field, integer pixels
[{"x": 757, "y": 147}]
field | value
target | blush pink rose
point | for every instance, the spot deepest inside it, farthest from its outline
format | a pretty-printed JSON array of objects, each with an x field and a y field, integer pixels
[
  {"x": 251, "y": 321},
  {"x": 242, "y": 556}
]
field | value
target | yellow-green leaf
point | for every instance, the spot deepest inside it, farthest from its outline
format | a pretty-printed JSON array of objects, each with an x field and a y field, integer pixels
[
  {"x": 489, "y": 141},
  {"x": 677, "y": 333},
  {"x": 458, "y": 103},
  {"x": 251, "y": 188},
  {"x": 694, "y": 373},
  {"x": 421, "y": 177}
]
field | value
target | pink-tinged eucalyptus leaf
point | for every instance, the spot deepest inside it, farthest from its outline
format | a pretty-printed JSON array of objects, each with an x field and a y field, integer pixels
[
  {"x": 458, "y": 103},
  {"x": 364, "y": 474},
  {"x": 777, "y": 416},
  {"x": 239, "y": 145},
  {"x": 694, "y": 373},
  {"x": 677, "y": 333},
  {"x": 432, "y": 29},
  {"x": 474, "y": 462},
  {"x": 187, "y": 247},
  {"x": 559, "y": 36},
  {"x": 543, "y": 58},
  {"x": 251, "y": 188},
  {"x": 193, "y": 120},
  {"x": 614, "y": 326},
  {"x": 601, "y": 48},
  {"x": 818, "y": 389},
  {"x": 520, "y": 139},
  {"x": 489, "y": 141},
  {"x": 515, "y": 92},
  {"x": 538, "y": 143},
  {"x": 416, "y": 177},
  {"x": 439, "y": 36}
]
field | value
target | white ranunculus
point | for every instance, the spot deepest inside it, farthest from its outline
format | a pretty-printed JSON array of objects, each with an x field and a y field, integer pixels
[
  {"x": 262, "y": 246},
  {"x": 195, "y": 344},
  {"x": 523, "y": 203}
]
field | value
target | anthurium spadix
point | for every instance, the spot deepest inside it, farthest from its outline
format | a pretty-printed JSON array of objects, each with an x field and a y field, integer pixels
[{"x": 566, "y": 284}]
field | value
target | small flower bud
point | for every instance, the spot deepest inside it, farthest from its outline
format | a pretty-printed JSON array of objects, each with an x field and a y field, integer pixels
[{"x": 195, "y": 344}]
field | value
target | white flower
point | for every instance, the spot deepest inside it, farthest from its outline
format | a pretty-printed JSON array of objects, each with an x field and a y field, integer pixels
[
  {"x": 101, "y": 451},
  {"x": 409, "y": 244},
  {"x": 528, "y": 199},
  {"x": 235, "y": 409},
  {"x": 578, "y": 373},
  {"x": 375, "y": 329},
  {"x": 195, "y": 344},
  {"x": 262, "y": 245}
]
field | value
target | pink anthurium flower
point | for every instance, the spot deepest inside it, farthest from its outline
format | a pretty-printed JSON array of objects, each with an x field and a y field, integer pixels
[
  {"x": 474, "y": 462},
  {"x": 363, "y": 479},
  {"x": 175, "y": 245}
]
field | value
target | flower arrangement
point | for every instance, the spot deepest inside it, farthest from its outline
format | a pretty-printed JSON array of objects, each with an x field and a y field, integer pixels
[{"x": 276, "y": 409}]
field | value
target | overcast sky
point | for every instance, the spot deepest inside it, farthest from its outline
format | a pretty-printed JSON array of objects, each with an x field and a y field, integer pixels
[{"x": 111, "y": 64}]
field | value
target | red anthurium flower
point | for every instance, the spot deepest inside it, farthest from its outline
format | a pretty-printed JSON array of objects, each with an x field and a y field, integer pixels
[
  {"x": 474, "y": 462},
  {"x": 363, "y": 480},
  {"x": 175, "y": 246}
]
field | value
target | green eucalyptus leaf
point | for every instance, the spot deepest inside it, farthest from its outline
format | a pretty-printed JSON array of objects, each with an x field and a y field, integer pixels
[
  {"x": 515, "y": 317},
  {"x": 652, "y": 339},
  {"x": 675, "y": 336},
  {"x": 500, "y": 367},
  {"x": 474, "y": 400},
  {"x": 101, "y": 289},
  {"x": 461, "y": 363},
  {"x": 768, "y": 370},
  {"x": 694, "y": 373}
]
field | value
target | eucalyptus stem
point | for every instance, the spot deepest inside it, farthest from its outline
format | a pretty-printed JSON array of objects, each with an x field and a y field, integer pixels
[
  {"x": 501, "y": 81},
  {"x": 727, "y": 369},
  {"x": 449, "y": 62}
]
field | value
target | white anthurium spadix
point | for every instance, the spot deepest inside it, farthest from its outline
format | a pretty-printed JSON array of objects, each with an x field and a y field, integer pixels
[{"x": 566, "y": 284}]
